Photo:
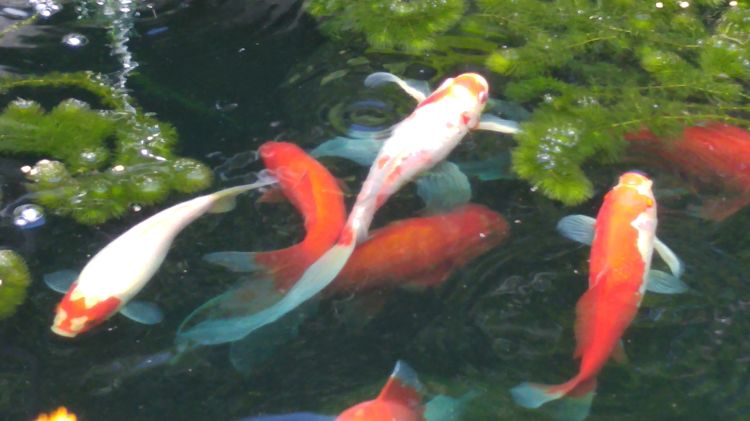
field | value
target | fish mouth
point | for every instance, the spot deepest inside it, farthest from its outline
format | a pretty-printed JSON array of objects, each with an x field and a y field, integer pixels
[{"x": 61, "y": 332}]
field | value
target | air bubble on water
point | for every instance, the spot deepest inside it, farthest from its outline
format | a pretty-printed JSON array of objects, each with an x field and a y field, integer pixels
[
  {"x": 45, "y": 8},
  {"x": 75, "y": 40},
  {"x": 28, "y": 216}
]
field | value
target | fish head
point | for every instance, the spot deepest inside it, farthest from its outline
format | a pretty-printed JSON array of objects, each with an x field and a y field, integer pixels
[
  {"x": 638, "y": 181},
  {"x": 285, "y": 160},
  {"x": 78, "y": 313},
  {"x": 467, "y": 95}
]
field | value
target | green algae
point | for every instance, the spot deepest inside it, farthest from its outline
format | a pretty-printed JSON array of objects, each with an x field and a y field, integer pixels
[
  {"x": 95, "y": 162},
  {"x": 591, "y": 72},
  {"x": 14, "y": 279}
]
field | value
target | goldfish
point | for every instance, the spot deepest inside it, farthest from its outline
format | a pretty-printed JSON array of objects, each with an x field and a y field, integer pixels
[
  {"x": 421, "y": 252},
  {"x": 399, "y": 400},
  {"x": 415, "y": 145},
  {"x": 316, "y": 195},
  {"x": 60, "y": 414},
  {"x": 123, "y": 267},
  {"x": 622, "y": 238},
  {"x": 714, "y": 153}
]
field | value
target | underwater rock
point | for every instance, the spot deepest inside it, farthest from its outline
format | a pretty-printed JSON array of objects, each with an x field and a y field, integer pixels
[
  {"x": 97, "y": 162},
  {"x": 14, "y": 279}
]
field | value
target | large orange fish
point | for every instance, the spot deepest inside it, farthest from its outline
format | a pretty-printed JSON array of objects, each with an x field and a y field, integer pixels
[
  {"x": 421, "y": 251},
  {"x": 316, "y": 194},
  {"x": 713, "y": 154},
  {"x": 622, "y": 241}
]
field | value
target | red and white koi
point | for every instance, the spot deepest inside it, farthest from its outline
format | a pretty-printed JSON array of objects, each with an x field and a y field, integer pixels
[
  {"x": 122, "y": 268},
  {"x": 623, "y": 240},
  {"x": 415, "y": 145}
]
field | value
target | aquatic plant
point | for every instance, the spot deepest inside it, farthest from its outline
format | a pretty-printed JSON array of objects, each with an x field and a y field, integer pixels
[
  {"x": 405, "y": 24},
  {"x": 95, "y": 163},
  {"x": 14, "y": 279},
  {"x": 594, "y": 71}
]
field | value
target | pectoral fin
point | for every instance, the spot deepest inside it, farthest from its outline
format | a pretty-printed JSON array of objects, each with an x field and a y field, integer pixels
[
  {"x": 236, "y": 261},
  {"x": 142, "y": 312},
  {"x": 360, "y": 150},
  {"x": 61, "y": 280},
  {"x": 577, "y": 228},
  {"x": 443, "y": 188},
  {"x": 671, "y": 259},
  {"x": 417, "y": 89},
  {"x": 494, "y": 123},
  {"x": 664, "y": 283}
]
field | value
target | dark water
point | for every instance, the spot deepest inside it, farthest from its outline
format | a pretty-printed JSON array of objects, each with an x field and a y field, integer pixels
[{"x": 230, "y": 75}]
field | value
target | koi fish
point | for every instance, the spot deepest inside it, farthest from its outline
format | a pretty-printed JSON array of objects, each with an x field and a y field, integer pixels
[
  {"x": 622, "y": 241},
  {"x": 421, "y": 252},
  {"x": 121, "y": 269},
  {"x": 60, "y": 414},
  {"x": 316, "y": 195},
  {"x": 399, "y": 400},
  {"x": 415, "y": 145},
  {"x": 714, "y": 154}
]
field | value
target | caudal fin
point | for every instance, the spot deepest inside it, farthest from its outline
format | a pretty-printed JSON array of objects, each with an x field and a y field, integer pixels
[
  {"x": 575, "y": 398},
  {"x": 229, "y": 317},
  {"x": 403, "y": 387}
]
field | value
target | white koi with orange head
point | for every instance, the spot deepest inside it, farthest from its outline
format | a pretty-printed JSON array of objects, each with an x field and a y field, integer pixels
[
  {"x": 122, "y": 268},
  {"x": 622, "y": 238}
]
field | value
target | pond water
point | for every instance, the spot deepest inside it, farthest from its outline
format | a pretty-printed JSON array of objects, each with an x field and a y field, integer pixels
[{"x": 230, "y": 75}]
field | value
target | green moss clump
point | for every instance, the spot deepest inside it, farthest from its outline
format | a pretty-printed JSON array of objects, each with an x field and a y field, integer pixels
[
  {"x": 409, "y": 25},
  {"x": 96, "y": 162},
  {"x": 599, "y": 70},
  {"x": 14, "y": 279}
]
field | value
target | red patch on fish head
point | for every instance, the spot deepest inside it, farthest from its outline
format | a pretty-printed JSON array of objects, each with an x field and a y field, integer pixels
[{"x": 73, "y": 316}]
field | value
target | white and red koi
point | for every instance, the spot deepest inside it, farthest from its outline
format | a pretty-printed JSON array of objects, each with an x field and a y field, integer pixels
[
  {"x": 123, "y": 267},
  {"x": 415, "y": 145},
  {"x": 623, "y": 240}
]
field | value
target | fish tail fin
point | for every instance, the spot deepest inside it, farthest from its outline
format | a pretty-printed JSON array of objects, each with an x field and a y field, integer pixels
[
  {"x": 403, "y": 386},
  {"x": 239, "y": 312},
  {"x": 235, "y": 261},
  {"x": 575, "y": 397},
  {"x": 321, "y": 273},
  {"x": 224, "y": 200},
  {"x": 221, "y": 319}
]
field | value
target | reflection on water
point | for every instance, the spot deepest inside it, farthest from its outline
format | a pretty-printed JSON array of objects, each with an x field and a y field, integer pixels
[{"x": 232, "y": 74}]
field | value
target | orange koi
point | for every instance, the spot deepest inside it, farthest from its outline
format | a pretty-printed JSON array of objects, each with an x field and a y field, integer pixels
[
  {"x": 622, "y": 241},
  {"x": 715, "y": 153}
]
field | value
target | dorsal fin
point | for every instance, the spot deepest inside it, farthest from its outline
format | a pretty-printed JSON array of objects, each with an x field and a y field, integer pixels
[{"x": 403, "y": 387}]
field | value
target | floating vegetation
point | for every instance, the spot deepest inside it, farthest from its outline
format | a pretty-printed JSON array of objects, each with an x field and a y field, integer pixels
[
  {"x": 590, "y": 71},
  {"x": 14, "y": 279},
  {"x": 95, "y": 163}
]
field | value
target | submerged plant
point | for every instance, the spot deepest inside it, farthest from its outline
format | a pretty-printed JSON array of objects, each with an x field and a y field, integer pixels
[
  {"x": 594, "y": 71},
  {"x": 96, "y": 162},
  {"x": 14, "y": 279},
  {"x": 407, "y": 24}
]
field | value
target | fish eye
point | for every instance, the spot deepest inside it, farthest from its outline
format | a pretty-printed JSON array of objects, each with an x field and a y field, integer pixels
[{"x": 483, "y": 97}]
